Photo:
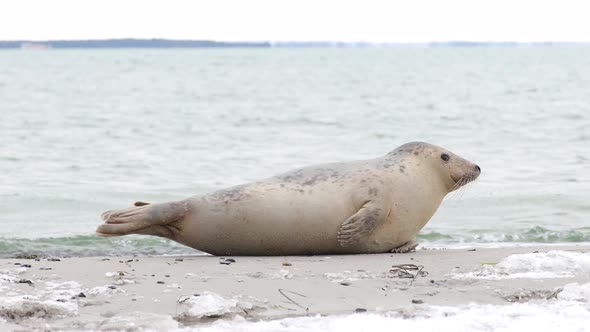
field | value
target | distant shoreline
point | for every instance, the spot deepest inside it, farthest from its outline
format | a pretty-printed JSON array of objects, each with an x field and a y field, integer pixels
[{"x": 171, "y": 43}]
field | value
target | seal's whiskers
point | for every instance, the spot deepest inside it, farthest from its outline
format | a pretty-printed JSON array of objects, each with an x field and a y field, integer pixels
[
  {"x": 461, "y": 191},
  {"x": 458, "y": 190}
]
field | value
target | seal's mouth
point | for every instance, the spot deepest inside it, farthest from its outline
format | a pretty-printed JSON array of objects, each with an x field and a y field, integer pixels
[{"x": 465, "y": 179}]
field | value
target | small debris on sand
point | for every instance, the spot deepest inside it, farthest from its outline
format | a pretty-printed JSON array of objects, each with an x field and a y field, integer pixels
[
  {"x": 25, "y": 256},
  {"x": 410, "y": 271},
  {"x": 25, "y": 281},
  {"x": 226, "y": 261}
]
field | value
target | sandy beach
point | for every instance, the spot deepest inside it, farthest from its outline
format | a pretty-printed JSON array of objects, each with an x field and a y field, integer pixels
[{"x": 171, "y": 292}]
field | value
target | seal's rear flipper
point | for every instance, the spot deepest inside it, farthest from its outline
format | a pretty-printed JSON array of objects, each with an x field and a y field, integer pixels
[{"x": 140, "y": 219}]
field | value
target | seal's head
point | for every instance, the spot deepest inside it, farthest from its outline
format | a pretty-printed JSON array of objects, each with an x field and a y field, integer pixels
[{"x": 454, "y": 171}]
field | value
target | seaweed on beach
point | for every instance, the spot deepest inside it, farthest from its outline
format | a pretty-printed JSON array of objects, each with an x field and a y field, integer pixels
[{"x": 408, "y": 271}]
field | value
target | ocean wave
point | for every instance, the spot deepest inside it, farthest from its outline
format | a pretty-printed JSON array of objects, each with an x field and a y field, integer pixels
[
  {"x": 535, "y": 234},
  {"x": 90, "y": 245}
]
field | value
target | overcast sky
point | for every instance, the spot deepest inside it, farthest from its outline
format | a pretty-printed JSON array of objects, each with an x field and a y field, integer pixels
[{"x": 284, "y": 20}]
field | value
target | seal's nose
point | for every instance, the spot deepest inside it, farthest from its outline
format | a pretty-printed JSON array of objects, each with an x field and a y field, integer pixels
[{"x": 477, "y": 169}]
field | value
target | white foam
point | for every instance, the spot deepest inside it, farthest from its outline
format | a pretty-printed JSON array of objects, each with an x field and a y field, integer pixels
[
  {"x": 570, "y": 308},
  {"x": 61, "y": 290},
  {"x": 26, "y": 306},
  {"x": 104, "y": 290},
  {"x": 8, "y": 276},
  {"x": 282, "y": 274},
  {"x": 347, "y": 276},
  {"x": 552, "y": 264},
  {"x": 139, "y": 321},
  {"x": 575, "y": 292},
  {"x": 210, "y": 304},
  {"x": 45, "y": 300},
  {"x": 124, "y": 281},
  {"x": 202, "y": 278},
  {"x": 513, "y": 317}
]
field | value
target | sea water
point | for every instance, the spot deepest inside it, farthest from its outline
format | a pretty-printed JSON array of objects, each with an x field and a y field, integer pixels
[{"x": 84, "y": 131}]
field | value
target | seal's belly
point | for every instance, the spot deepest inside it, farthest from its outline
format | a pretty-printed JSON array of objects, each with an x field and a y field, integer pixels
[{"x": 271, "y": 220}]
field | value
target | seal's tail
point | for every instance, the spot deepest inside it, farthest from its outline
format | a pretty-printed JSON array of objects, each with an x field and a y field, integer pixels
[{"x": 140, "y": 218}]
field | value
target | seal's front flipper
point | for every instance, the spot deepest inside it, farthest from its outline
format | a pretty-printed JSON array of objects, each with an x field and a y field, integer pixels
[
  {"x": 140, "y": 203},
  {"x": 361, "y": 224},
  {"x": 405, "y": 248}
]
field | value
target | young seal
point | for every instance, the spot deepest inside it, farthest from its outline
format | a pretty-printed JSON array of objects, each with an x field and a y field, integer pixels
[{"x": 368, "y": 206}]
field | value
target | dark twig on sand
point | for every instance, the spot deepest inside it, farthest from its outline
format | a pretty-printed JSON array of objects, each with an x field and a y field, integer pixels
[
  {"x": 554, "y": 294},
  {"x": 282, "y": 291}
]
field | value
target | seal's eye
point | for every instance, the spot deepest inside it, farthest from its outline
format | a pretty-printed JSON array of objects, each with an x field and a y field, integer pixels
[{"x": 445, "y": 157}]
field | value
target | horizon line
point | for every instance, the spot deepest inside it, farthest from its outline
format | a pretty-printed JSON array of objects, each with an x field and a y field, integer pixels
[{"x": 295, "y": 41}]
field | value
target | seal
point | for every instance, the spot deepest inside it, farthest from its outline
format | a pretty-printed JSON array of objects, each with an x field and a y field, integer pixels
[{"x": 359, "y": 207}]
